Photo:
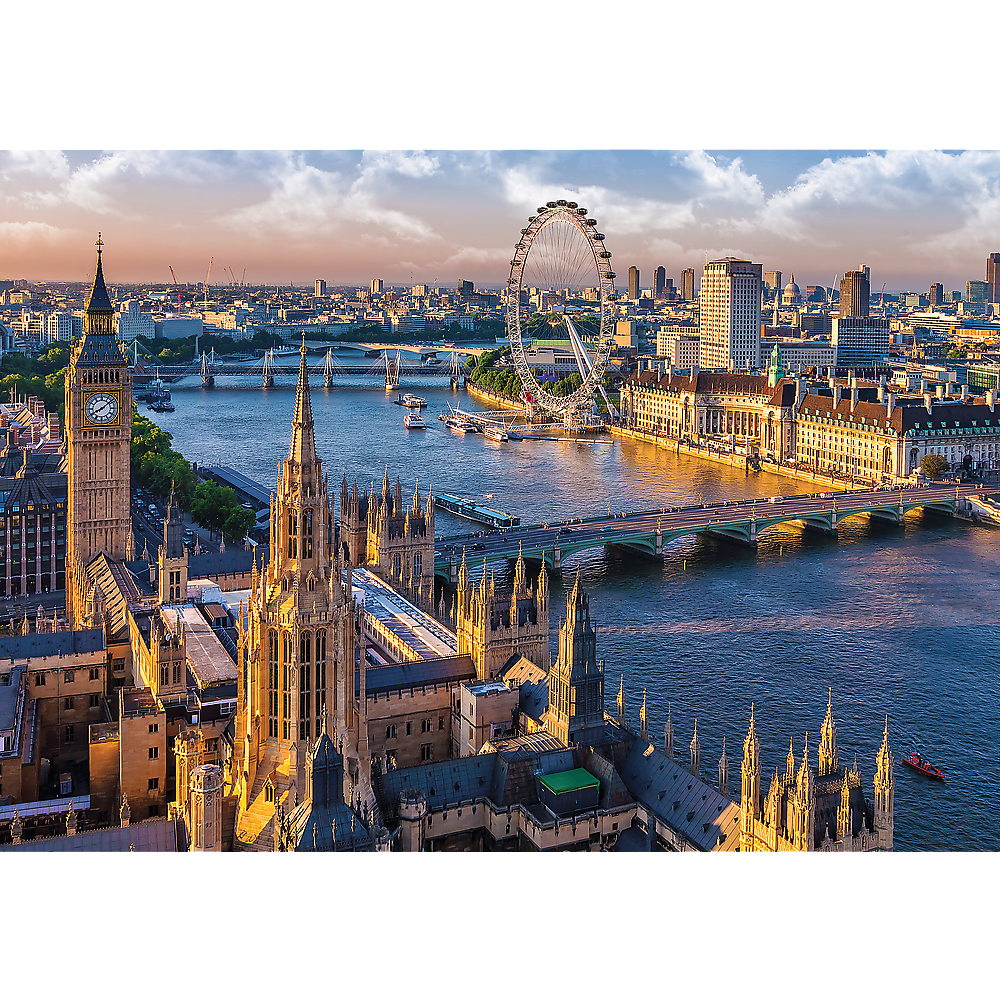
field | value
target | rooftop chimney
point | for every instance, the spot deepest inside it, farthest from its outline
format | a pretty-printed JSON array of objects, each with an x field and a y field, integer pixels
[
  {"x": 990, "y": 398},
  {"x": 881, "y": 392},
  {"x": 965, "y": 392},
  {"x": 836, "y": 395},
  {"x": 854, "y": 394},
  {"x": 890, "y": 403},
  {"x": 939, "y": 392},
  {"x": 927, "y": 401}
]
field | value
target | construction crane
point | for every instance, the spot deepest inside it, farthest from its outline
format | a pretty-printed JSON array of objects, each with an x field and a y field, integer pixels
[
  {"x": 207, "y": 276},
  {"x": 178, "y": 287},
  {"x": 881, "y": 298},
  {"x": 243, "y": 280}
]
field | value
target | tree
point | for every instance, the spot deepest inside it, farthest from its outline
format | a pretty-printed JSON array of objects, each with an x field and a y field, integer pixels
[
  {"x": 933, "y": 466},
  {"x": 218, "y": 509}
]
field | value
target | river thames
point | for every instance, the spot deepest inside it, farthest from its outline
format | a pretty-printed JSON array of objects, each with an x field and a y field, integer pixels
[{"x": 896, "y": 620}]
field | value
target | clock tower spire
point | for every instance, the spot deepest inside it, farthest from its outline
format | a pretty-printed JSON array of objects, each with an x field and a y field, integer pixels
[{"x": 98, "y": 438}]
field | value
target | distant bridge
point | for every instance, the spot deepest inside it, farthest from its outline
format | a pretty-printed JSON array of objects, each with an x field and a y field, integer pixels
[
  {"x": 269, "y": 367},
  {"x": 648, "y": 533}
]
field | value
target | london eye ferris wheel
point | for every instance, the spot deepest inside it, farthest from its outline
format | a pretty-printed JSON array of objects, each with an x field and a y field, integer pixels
[{"x": 561, "y": 252}]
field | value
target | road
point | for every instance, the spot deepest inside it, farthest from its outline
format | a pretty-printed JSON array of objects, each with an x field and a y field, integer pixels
[{"x": 503, "y": 542}]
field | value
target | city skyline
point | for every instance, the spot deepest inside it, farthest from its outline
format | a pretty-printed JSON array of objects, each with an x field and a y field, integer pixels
[{"x": 440, "y": 216}]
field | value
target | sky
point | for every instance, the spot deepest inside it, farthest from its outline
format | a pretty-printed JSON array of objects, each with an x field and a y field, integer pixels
[{"x": 440, "y": 215}]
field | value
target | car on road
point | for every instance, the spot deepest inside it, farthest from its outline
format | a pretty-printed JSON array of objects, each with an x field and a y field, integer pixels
[
  {"x": 478, "y": 545},
  {"x": 826, "y": 496},
  {"x": 775, "y": 499},
  {"x": 606, "y": 527}
]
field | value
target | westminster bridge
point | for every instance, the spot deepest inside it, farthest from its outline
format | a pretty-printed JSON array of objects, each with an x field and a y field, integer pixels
[{"x": 648, "y": 533}]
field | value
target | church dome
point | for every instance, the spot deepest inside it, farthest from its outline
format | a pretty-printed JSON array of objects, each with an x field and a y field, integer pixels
[{"x": 791, "y": 294}]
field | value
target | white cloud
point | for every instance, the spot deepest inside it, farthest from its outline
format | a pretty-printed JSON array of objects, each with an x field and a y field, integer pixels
[
  {"x": 20, "y": 233},
  {"x": 936, "y": 201},
  {"x": 703, "y": 188},
  {"x": 308, "y": 201}
]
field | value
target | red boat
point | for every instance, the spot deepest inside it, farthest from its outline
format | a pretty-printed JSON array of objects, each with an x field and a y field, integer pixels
[{"x": 919, "y": 764}]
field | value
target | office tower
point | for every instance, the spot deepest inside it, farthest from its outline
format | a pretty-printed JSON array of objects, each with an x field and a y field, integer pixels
[
  {"x": 860, "y": 340},
  {"x": 687, "y": 284},
  {"x": 633, "y": 283},
  {"x": 730, "y": 315},
  {"x": 993, "y": 276},
  {"x": 773, "y": 280},
  {"x": 855, "y": 292},
  {"x": 376, "y": 287},
  {"x": 465, "y": 289},
  {"x": 320, "y": 286},
  {"x": 977, "y": 291},
  {"x": 659, "y": 281},
  {"x": 936, "y": 295}
]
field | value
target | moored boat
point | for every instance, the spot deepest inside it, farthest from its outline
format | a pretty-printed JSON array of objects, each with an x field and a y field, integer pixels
[
  {"x": 414, "y": 402},
  {"x": 496, "y": 433}
]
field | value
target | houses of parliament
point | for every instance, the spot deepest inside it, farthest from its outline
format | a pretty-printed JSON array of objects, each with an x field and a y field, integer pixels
[{"x": 313, "y": 695}]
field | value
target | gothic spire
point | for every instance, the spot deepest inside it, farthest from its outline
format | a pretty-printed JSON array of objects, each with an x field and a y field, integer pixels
[
  {"x": 643, "y": 718},
  {"x": 828, "y": 762},
  {"x": 303, "y": 447},
  {"x": 519, "y": 572},
  {"x": 790, "y": 770},
  {"x": 750, "y": 744},
  {"x": 621, "y": 700},
  {"x": 98, "y": 301}
]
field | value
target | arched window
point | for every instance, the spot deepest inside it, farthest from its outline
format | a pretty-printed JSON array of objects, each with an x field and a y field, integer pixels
[
  {"x": 305, "y": 684},
  {"x": 272, "y": 683},
  {"x": 287, "y": 667},
  {"x": 320, "y": 676}
]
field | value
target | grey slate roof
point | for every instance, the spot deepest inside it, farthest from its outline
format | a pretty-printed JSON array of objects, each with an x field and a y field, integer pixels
[
  {"x": 683, "y": 802},
  {"x": 23, "y": 647},
  {"x": 158, "y": 835},
  {"x": 416, "y": 673}
]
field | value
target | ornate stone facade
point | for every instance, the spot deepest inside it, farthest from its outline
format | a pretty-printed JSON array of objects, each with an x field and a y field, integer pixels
[
  {"x": 492, "y": 628},
  {"x": 98, "y": 439},
  {"x": 393, "y": 540},
  {"x": 576, "y": 680},
  {"x": 297, "y": 653},
  {"x": 804, "y": 811}
]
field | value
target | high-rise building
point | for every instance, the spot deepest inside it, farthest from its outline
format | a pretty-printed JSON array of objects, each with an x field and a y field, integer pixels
[
  {"x": 687, "y": 284},
  {"x": 773, "y": 280},
  {"x": 936, "y": 295},
  {"x": 730, "y": 315},
  {"x": 659, "y": 281},
  {"x": 859, "y": 340},
  {"x": 465, "y": 289},
  {"x": 320, "y": 287},
  {"x": 633, "y": 282},
  {"x": 98, "y": 439},
  {"x": 993, "y": 276},
  {"x": 855, "y": 292},
  {"x": 977, "y": 291},
  {"x": 376, "y": 286}
]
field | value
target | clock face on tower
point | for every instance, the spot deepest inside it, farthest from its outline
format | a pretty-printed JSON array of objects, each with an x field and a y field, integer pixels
[{"x": 101, "y": 408}]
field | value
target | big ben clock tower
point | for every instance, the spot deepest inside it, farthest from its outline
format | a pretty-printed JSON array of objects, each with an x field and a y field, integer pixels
[{"x": 98, "y": 438}]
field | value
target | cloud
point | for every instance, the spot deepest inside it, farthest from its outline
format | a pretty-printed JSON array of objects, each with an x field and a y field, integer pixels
[
  {"x": 306, "y": 200},
  {"x": 702, "y": 191},
  {"x": 20, "y": 233},
  {"x": 34, "y": 162},
  {"x": 937, "y": 201}
]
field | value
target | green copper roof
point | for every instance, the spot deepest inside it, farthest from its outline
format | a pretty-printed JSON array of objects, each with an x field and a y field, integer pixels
[{"x": 569, "y": 781}]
